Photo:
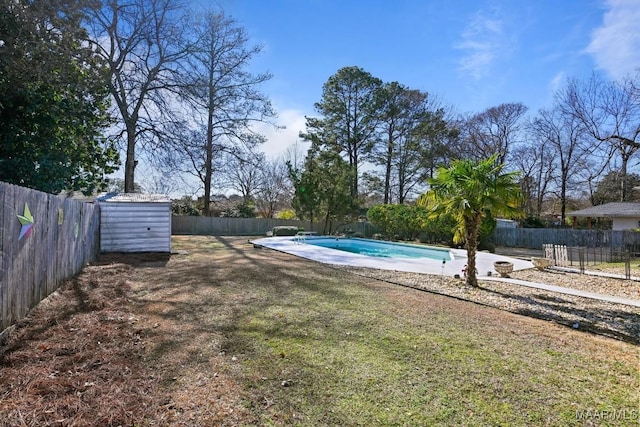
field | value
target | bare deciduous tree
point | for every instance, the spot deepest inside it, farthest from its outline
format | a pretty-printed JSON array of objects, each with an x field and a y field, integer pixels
[
  {"x": 566, "y": 136},
  {"x": 493, "y": 131},
  {"x": 274, "y": 187},
  {"x": 534, "y": 160},
  {"x": 144, "y": 45},
  {"x": 242, "y": 172},
  {"x": 224, "y": 97},
  {"x": 610, "y": 113}
]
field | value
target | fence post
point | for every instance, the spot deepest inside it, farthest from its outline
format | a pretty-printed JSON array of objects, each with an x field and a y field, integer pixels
[
  {"x": 627, "y": 264},
  {"x": 547, "y": 249},
  {"x": 581, "y": 258}
]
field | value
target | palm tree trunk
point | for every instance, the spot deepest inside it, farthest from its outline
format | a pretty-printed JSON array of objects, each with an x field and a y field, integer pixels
[{"x": 472, "y": 229}]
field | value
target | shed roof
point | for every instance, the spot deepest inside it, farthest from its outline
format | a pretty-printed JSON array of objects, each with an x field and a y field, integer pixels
[
  {"x": 610, "y": 210},
  {"x": 133, "y": 198}
]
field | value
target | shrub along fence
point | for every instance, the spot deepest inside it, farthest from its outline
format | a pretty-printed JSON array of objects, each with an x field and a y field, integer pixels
[
  {"x": 213, "y": 226},
  {"x": 44, "y": 240}
]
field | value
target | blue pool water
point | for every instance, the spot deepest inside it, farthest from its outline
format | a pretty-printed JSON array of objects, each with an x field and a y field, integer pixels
[{"x": 376, "y": 248}]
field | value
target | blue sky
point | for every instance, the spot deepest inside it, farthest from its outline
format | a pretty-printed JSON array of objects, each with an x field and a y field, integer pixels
[{"x": 471, "y": 54}]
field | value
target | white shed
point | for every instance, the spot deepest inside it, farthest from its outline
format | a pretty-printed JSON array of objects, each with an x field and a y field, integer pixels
[
  {"x": 506, "y": 223},
  {"x": 133, "y": 222}
]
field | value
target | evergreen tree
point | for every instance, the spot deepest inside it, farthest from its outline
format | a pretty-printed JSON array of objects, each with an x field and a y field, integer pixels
[
  {"x": 53, "y": 100},
  {"x": 349, "y": 112},
  {"x": 322, "y": 189},
  {"x": 610, "y": 188}
]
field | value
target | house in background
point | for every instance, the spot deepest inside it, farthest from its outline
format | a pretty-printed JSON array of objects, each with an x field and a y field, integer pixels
[{"x": 624, "y": 215}]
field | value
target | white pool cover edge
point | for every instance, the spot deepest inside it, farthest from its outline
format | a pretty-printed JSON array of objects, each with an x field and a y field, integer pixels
[{"x": 484, "y": 260}]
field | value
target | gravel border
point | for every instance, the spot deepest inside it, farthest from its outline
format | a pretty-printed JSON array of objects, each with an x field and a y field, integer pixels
[
  {"x": 618, "y": 321},
  {"x": 629, "y": 289}
]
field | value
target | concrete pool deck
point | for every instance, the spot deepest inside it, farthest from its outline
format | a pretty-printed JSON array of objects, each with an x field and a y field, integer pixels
[
  {"x": 484, "y": 263},
  {"x": 484, "y": 260}
]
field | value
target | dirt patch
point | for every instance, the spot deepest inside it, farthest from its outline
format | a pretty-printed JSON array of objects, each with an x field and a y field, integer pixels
[{"x": 144, "y": 339}]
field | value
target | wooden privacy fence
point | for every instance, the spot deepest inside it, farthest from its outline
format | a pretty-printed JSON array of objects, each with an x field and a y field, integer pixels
[
  {"x": 534, "y": 238},
  {"x": 213, "y": 226},
  {"x": 64, "y": 236}
]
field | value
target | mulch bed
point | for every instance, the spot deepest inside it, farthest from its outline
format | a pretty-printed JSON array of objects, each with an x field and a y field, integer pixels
[
  {"x": 79, "y": 359},
  {"x": 75, "y": 359}
]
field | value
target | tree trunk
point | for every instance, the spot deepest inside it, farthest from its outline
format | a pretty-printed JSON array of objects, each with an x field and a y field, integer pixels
[
  {"x": 206, "y": 207},
  {"x": 354, "y": 188},
  {"x": 208, "y": 173},
  {"x": 623, "y": 177},
  {"x": 326, "y": 223},
  {"x": 208, "y": 166},
  {"x": 130, "y": 163},
  {"x": 472, "y": 226},
  {"x": 563, "y": 199},
  {"x": 387, "y": 175},
  {"x": 401, "y": 182}
]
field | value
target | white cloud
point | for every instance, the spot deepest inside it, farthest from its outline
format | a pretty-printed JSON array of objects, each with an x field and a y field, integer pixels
[
  {"x": 484, "y": 40},
  {"x": 615, "y": 45},
  {"x": 279, "y": 140},
  {"x": 557, "y": 82}
]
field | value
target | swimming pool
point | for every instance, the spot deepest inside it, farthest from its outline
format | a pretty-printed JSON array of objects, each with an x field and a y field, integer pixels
[
  {"x": 454, "y": 264},
  {"x": 376, "y": 248}
]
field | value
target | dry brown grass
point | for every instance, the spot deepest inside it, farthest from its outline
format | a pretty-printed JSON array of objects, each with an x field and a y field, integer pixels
[
  {"x": 153, "y": 340},
  {"x": 105, "y": 350}
]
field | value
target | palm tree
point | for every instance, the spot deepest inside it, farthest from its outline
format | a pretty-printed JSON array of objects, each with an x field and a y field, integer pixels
[{"x": 469, "y": 190}]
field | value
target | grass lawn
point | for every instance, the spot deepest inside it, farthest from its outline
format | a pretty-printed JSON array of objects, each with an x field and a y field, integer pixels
[
  {"x": 324, "y": 349},
  {"x": 234, "y": 335}
]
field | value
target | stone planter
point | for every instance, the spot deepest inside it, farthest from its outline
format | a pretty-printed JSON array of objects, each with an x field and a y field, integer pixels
[
  {"x": 541, "y": 263},
  {"x": 503, "y": 267}
]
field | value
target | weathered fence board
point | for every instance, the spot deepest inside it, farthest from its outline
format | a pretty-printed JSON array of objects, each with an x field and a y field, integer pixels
[
  {"x": 64, "y": 237},
  {"x": 534, "y": 238},
  {"x": 199, "y": 225},
  {"x": 213, "y": 226}
]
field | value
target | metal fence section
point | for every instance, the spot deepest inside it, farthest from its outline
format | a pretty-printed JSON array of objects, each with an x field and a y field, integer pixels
[
  {"x": 534, "y": 238},
  {"x": 361, "y": 228},
  {"x": 581, "y": 256},
  {"x": 63, "y": 237}
]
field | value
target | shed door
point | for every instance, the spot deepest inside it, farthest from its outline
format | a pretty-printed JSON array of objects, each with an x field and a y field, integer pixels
[{"x": 135, "y": 227}]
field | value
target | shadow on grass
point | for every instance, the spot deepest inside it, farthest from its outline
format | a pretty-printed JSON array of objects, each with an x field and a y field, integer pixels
[
  {"x": 217, "y": 294},
  {"x": 227, "y": 301},
  {"x": 623, "y": 325},
  {"x": 582, "y": 318}
]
